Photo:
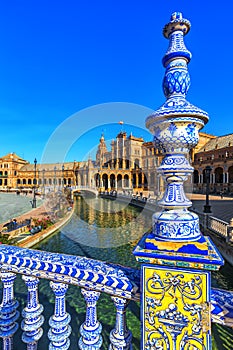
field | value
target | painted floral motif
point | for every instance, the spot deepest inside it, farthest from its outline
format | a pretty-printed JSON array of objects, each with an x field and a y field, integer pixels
[
  {"x": 176, "y": 309},
  {"x": 172, "y": 128},
  {"x": 191, "y": 128}
]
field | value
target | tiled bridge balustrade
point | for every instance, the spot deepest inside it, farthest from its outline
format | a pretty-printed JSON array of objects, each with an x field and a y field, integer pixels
[{"x": 93, "y": 277}]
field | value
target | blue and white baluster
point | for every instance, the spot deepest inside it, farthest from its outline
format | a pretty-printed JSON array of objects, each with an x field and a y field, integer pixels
[
  {"x": 33, "y": 320},
  {"x": 8, "y": 312},
  {"x": 91, "y": 329},
  {"x": 120, "y": 336},
  {"x": 60, "y": 330}
]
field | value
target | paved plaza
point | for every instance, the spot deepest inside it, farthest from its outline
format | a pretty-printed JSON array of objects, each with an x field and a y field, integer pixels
[
  {"x": 13, "y": 206},
  {"x": 222, "y": 208}
]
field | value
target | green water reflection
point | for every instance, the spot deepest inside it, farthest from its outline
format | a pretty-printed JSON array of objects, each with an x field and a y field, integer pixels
[{"x": 108, "y": 231}]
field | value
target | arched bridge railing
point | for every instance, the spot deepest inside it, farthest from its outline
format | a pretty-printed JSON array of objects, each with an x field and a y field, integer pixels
[
  {"x": 93, "y": 277},
  {"x": 84, "y": 189}
]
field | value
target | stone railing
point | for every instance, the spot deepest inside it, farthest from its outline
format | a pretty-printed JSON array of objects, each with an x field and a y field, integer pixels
[
  {"x": 149, "y": 203},
  {"x": 93, "y": 277},
  {"x": 218, "y": 226},
  {"x": 90, "y": 189}
]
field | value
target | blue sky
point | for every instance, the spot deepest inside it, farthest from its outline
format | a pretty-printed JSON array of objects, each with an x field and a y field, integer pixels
[{"x": 62, "y": 57}]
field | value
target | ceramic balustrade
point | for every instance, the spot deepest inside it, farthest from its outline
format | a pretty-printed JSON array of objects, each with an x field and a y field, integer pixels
[
  {"x": 91, "y": 329},
  {"x": 8, "y": 310},
  {"x": 32, "y": 314},
  {"x": 93, "y": 277},
  {"x": 120, "y": 336}
]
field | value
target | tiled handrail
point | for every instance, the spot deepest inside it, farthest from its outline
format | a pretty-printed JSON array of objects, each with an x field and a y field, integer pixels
[
  {"x": 81, "y": 271},
  {"x": 93, "y": 277},
  {"x": 215, "y": 225},
  {"x": 62, "y": 270}
]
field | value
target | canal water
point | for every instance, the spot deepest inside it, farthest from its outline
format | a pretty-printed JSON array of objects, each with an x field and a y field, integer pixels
[{"x": 108, "y": 230}]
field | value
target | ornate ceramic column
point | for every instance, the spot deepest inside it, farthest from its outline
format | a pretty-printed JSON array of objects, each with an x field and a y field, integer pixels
[
  {"x": 120, "y": 336},
  {"x": 176, "y": 296},
  {"x": 8, "y": 310},
  {"x": 33, "y": 320},
  {"x": 91, "y": 329},
  {"x": 60, "y": 329}
]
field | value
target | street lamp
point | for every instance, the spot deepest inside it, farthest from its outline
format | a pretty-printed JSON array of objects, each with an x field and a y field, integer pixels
[
  {"x": 34, "y": 186},
  {"x": 76, "y": 176},
  {"x": 207, "y": 207},
  {"x": 63, "y": 182},
  {"x": 55, "y": 169},
  {"x": 43, "y": 172}
]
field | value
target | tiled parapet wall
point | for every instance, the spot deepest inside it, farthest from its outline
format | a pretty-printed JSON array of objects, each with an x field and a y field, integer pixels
[{"x": 93, "y": 277}]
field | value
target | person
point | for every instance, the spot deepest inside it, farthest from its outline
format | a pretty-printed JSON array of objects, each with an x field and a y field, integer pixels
[{"x": 221, "y": 194}]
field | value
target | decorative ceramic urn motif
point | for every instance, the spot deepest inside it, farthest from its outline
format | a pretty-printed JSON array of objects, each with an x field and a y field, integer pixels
[{"x": 175, "y": 127}]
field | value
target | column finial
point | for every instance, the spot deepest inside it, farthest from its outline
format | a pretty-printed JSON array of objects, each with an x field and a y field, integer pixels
[{"x": 176, "y": 84}]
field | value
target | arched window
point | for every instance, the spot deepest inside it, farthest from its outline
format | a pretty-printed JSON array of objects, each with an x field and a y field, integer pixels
[
  {"x": 119, "y": 180},
  {"x": 136, "y": 164},
  {"x": 230, "y": 172},
  {"x": 195, "y": 177},
  {"x": 126, "y": 180},
  {"x": 112, "y": 180},
  {"x": 219, "y": 175},
  {"x": 105, "y": 181}
]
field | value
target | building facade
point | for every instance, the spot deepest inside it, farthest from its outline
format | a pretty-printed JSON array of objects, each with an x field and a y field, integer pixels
[
  {"x": 217, "y": 153},
  {"x": 129, "y": 165}
]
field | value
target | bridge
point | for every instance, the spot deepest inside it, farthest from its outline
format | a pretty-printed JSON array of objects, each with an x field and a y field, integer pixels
[{"x": 84, "y": 190}]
